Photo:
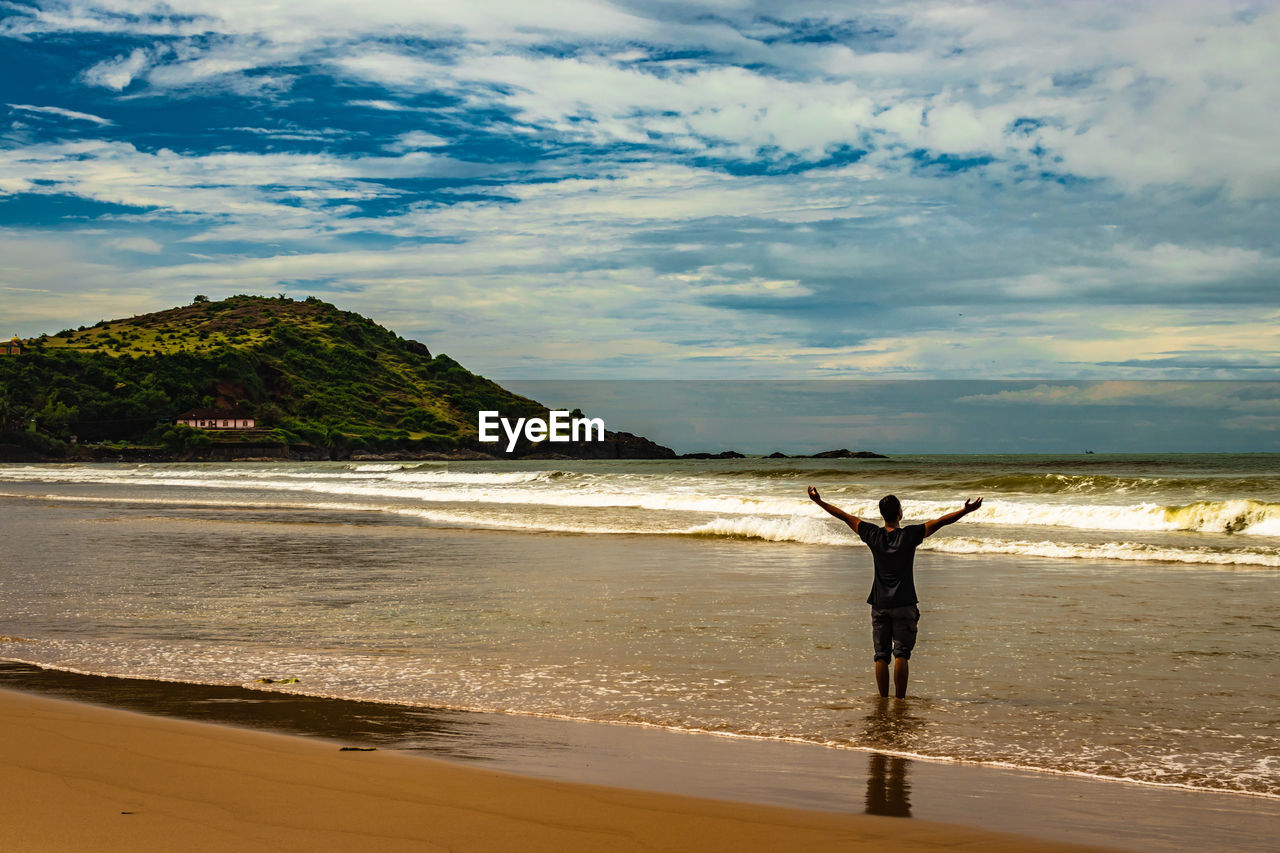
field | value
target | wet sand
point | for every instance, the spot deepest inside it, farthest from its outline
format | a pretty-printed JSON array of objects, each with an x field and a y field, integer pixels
[
  {"x": 73, "y": 770},
  {"x": 81, "y": 777}
]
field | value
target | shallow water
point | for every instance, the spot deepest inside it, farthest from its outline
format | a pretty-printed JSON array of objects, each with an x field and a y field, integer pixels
[{"x": 348, "y": 579}]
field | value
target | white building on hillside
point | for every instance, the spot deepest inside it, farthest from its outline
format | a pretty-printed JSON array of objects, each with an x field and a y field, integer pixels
[{"x": 217, "y": 419}]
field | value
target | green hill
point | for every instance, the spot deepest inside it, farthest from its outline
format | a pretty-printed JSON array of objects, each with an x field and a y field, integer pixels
[{"x": 312, "y": 375}]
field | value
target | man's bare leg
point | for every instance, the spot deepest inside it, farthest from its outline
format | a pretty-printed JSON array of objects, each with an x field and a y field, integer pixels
[
  {"x": 882, "y": 677},
  {"x": 900, "y": 671}
]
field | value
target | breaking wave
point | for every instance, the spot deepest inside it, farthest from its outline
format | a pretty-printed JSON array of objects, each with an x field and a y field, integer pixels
[
  {"x": 814, "y": 533},
  {"x": 1109, "y": 511}
]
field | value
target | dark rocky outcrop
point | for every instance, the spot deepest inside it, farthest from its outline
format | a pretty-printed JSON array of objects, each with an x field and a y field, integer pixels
[
  {"x": 724, "y": 454},
  {"x": 417, "y": 348},
  {"x": 847, "y": 454}
]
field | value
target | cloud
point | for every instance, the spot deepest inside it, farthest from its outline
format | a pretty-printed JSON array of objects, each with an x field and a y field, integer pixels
[
  {"x": 378, "y": 104},
  {"x": 487, "y": 20},
  {"x": 1065, "y": 88},
  {"x": 61, "y": 113},
  {"x": 293, "y": 132},
  {"x": 905, "y": 189},
  {"x": 1214, "y": 359},
  {"x": 117, "y": 73},
  {"x": 1228, "y": 396},
  {"x": 144, "y": 245},
  {"x": 1253, "y": 423},
  {"x": 290, "y": 188},
  {"x": 82, "y": 288},
  {"x": 1055, "y": 89},
  {"x": 1175, "y": 264},
  {"x": 636, "y": 263},
  {"x": 415, "y": 140}
]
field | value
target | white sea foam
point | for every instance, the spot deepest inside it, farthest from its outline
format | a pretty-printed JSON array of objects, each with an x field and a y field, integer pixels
[
  {"x": 796, "y": 529},
  {"x": 1267, "y": 527},
  {"x": 812, "y": 533},
  {"x": 664, "y": 502},
  {"x": 1108, "y": 551},
  {"x": 802, "y": 530}
]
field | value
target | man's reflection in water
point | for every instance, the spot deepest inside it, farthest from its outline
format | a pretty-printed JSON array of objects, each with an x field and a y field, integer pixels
[
  {"x": 888, "y": 792},
  {"x": 890, "y": 725}
]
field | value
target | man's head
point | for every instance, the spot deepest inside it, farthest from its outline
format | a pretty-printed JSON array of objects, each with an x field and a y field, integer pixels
[{"x": 891, "y": 509}]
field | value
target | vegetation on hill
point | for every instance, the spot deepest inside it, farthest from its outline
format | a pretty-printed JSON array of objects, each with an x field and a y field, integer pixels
[{"x": 311, "y": 374}]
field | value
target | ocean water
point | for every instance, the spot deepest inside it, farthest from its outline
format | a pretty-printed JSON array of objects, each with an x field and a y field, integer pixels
[{"x": 1112, "y": 616}]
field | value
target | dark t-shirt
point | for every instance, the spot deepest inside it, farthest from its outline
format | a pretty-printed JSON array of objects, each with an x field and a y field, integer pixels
[{"x": 894, "y": 553}]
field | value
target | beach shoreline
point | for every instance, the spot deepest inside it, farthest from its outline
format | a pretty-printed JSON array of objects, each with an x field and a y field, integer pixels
[
  {"x": 78, "y": 776},
  {"x": 940, "y": 802}
]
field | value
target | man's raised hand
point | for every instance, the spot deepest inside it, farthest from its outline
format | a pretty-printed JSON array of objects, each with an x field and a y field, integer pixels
[
  {"x": 813, "y": 494},
  {"x": 971, "y": 505}
]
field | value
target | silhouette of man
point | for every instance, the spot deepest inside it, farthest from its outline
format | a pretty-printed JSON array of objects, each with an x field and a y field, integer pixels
[{"x": 894, "y": 614}]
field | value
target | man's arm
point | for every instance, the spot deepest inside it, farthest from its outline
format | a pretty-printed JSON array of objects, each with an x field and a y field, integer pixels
[
  {"x": 851, "y": 520},
  {"x": 931, "y": 527}
]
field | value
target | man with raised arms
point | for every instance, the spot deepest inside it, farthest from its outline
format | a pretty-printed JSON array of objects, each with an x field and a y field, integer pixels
[{"x": 894, "y": 614}]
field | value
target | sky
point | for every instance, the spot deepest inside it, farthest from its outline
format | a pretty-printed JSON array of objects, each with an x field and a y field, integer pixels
[
  {"x": 905, "y": 416},
  {"x": 660, "y": 190}
]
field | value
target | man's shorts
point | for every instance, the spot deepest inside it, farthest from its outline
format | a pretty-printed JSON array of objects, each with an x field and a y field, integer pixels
[{"x": 894, "y": 629}]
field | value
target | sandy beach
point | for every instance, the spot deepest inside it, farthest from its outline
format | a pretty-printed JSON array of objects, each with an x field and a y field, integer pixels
[{"x": 80, "y": 777}]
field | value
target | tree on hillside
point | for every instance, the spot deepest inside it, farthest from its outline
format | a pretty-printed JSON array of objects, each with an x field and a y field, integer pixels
[{"x": 13, "y": 415}]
